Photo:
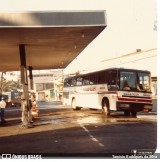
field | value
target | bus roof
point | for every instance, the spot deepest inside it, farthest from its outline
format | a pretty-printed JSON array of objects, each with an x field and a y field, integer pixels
[{"x": 126, "y": 69}]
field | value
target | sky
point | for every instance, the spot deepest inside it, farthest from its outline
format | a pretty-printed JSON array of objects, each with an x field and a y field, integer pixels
[{"x": 130, "y": 26}]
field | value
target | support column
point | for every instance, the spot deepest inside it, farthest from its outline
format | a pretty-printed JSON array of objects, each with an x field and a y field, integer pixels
[
  {"x": 26, "y": 114},
  {"x": 24, "y": 78}
]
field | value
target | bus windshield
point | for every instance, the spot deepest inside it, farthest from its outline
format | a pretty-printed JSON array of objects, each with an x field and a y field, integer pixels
[{"x": 135, "y": 81}]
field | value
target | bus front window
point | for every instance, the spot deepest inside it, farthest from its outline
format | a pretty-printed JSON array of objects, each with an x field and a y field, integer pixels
[
  {"x": 144, "y": 81},
  {"x": 128, "y": 80}
]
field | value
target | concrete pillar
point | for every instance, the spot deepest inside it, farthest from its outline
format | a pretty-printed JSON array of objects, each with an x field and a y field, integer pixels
[{"x": 26, "y": 114}]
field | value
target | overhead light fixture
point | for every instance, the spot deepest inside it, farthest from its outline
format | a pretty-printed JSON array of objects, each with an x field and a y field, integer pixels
[{"x": 138, "y": 50}]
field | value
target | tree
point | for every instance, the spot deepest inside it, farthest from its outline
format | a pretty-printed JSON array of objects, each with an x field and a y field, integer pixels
[{"x": 8, "y": 85}]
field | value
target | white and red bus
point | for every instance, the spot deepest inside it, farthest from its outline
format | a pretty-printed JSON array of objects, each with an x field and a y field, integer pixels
[{"x": 114, "y": 89}]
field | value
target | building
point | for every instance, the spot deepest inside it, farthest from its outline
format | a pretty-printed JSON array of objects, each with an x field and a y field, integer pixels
[{"x": 48, "y": 86}]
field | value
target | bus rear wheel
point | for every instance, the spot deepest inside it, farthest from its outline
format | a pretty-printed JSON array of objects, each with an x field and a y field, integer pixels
[
  {"x": 73, "y": 105},
  {"x": 105, "y": 107},
  {"x": 134, "y": 114}
]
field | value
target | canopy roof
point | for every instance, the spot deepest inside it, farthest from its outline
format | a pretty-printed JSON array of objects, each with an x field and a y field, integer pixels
[{"x": 52, "y": 39}]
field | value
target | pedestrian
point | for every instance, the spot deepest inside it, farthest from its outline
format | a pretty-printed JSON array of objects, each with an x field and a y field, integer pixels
[{"x": 2, "y": 110}]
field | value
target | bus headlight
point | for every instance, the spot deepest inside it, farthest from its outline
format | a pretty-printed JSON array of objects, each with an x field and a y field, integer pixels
[{"x": 147, "y": 106}]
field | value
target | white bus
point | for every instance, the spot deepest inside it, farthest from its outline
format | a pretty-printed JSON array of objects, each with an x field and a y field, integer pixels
[{"x": 114, "y": 89}]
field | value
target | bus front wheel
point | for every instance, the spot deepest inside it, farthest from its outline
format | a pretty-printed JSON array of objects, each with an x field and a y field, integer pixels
[{"x": 105, "y": 107}]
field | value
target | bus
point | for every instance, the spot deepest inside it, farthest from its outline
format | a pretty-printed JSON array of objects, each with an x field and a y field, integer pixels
[
  {"x": 13, "y": 99},
  {"x": 114, "y": 89}
]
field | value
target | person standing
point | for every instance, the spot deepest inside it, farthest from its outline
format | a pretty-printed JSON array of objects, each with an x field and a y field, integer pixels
[{"x": 2, "y": 109}]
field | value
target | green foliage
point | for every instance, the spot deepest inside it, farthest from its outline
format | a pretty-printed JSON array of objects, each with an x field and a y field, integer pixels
[{"x": 8, "y": 86}]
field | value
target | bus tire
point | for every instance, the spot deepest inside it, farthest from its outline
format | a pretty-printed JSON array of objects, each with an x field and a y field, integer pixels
[
  {"x": 105, "y": 107},
  {"x": 134, "y": 114},
  {"x": 73, "y": 105},
  {"x": 127, "y": 113}
]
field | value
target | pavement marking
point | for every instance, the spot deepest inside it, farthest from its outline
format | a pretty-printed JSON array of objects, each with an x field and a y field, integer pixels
[{"x": 91, "y": 136}]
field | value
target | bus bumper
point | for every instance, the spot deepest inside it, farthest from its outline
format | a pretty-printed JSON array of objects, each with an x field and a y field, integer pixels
[{"x": 122, "y": 106}]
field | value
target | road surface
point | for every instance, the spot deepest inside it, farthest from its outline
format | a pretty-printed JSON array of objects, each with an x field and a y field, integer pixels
[{"x": 60, "y": 131}]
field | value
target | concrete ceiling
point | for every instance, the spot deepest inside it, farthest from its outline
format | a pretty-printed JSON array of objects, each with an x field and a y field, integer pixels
[{"x": 52, "y": 39}]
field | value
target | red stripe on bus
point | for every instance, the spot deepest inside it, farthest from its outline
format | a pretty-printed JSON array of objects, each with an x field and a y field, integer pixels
[{"x": 134, "y": 100}]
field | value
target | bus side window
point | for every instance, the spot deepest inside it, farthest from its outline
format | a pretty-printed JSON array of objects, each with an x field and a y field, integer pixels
[
  {"x": 102, "y": 77},
  {"x": 73, "y": 82},
  {"x": 67, "y": 83},
  {"x": 79, "y": 81},
  {"x": 93, "y": 79},
  {"x": 112, "y": 76},
  {"x": 86, "y": 80}
]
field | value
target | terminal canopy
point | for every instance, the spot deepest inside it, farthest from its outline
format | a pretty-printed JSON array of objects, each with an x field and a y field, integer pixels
[{"x": 51, "y": 39}]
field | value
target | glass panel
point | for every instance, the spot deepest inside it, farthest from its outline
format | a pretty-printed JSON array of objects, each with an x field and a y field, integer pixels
[
  {"x": 128, "y": 80},
  {"x": 102, "y": 77},
  {"x": 144, "y": 82},
  {"x": 93, "y": 79},
  {"x": 67, "y": 83},
  {"x": 79, "y": 81},
  {"x": 85, "y": 80},
  {"x": 73, "y": 82},
  {"x": 112, "y": 80}
]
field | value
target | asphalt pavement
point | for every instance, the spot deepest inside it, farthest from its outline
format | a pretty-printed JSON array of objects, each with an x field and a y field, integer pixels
[{"x": 60, "y": 132}]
